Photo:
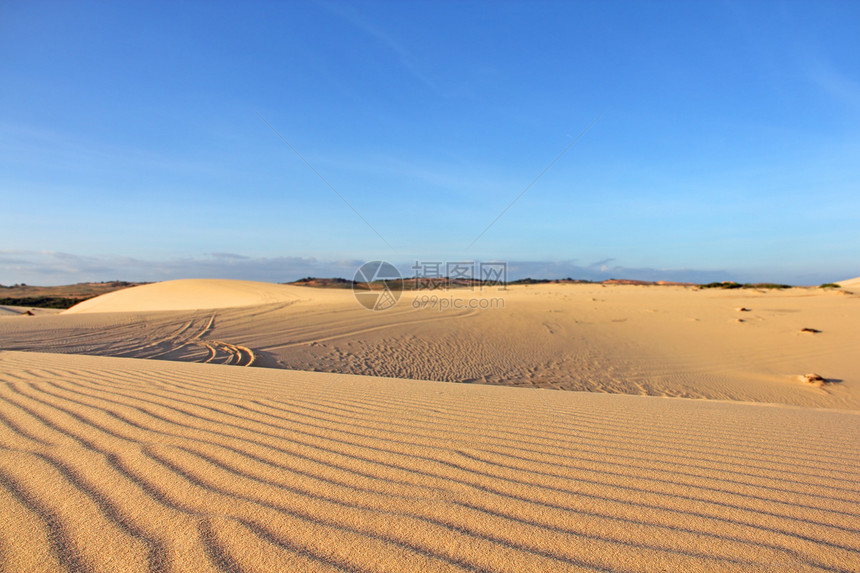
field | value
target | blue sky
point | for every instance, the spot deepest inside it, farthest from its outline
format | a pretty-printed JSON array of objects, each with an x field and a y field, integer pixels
[{"x": 727, "y": 140}]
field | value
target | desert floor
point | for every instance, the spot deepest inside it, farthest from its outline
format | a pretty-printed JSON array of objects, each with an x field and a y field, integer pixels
[{"x": 133, "y": 437}]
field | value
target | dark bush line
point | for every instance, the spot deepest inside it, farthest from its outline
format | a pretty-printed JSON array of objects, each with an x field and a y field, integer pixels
[
  {"x": 42, "y": 301},
  {"x": 529, "y": 281},
  {"x": 732, "y": 285}
]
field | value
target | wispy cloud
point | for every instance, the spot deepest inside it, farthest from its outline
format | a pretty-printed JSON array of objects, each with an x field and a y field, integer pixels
[
  {"x": 51, "y": 268},
  {"x": 601, "y": 270},
  {"x": 834, "y": 82},
  {"x": 42, "y": 147},
  {"x": 404, "y": 56}
]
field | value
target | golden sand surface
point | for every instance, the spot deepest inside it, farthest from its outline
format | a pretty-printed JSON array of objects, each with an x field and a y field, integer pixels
[
  {"x": 744, "y": 345},
  {"x": 186, "y": 294},
  {"x": 118, "y": 464},
  {"x": 133, "y": 436}
]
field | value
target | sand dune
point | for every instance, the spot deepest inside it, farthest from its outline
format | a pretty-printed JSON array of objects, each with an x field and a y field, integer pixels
[
  {"x": 850, "y": 283},
  {"x": 188, "y": 294},
  {"x": 19, "y": 311},
  {"x": 134, "y": 465},
  {"x": 661, "y": 341}
]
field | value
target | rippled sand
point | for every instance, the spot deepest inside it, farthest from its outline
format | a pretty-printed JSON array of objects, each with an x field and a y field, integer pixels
[{"x": 141, "y": 465}]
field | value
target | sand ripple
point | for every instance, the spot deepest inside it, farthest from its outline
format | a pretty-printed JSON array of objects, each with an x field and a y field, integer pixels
[{"x": 132, "y": 465}]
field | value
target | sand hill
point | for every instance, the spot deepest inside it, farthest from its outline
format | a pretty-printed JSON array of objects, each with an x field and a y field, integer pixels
[
  {"x": 850, "y": 283},
  {"x": 188, "y": 294}
]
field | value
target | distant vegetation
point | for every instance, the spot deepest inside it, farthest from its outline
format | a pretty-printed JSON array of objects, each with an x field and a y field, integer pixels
[
  {"x": 529, "y": 281},
  {"x": 733, "y": 285},
  {"x": 422, "y": 283},
  {"x": 416, "y": 283},
  {"x": 98, "y": 285},
  {"x": 41, "y": 301},
  {"x": 64, "y": 296},
  {"x": 830, "y": 285},
  {"x": 336, "y": 282}
]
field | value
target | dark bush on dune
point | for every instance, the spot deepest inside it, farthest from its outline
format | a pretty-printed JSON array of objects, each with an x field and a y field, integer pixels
[
  {"x": 733, "y": 285},
  {"x": 41, "y": 301}
]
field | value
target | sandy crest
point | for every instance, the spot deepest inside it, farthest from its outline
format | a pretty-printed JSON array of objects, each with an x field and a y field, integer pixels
[
  {"x": 850, "y": 283},
  {"x": 138, "y": 465},
  {"x": 188, "y": 294}
]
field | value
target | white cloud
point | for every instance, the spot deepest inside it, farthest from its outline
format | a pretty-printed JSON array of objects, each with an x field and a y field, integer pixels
[
  {"x": 48, "y": 267},
  {"x": 53, "y": 268}
]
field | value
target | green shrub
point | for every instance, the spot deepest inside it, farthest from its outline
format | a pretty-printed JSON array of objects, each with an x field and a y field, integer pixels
[
  {"x": 733, "y": 285},
  {"x": 766, "y": 285},
  {"x": 42, "y": 301}
]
